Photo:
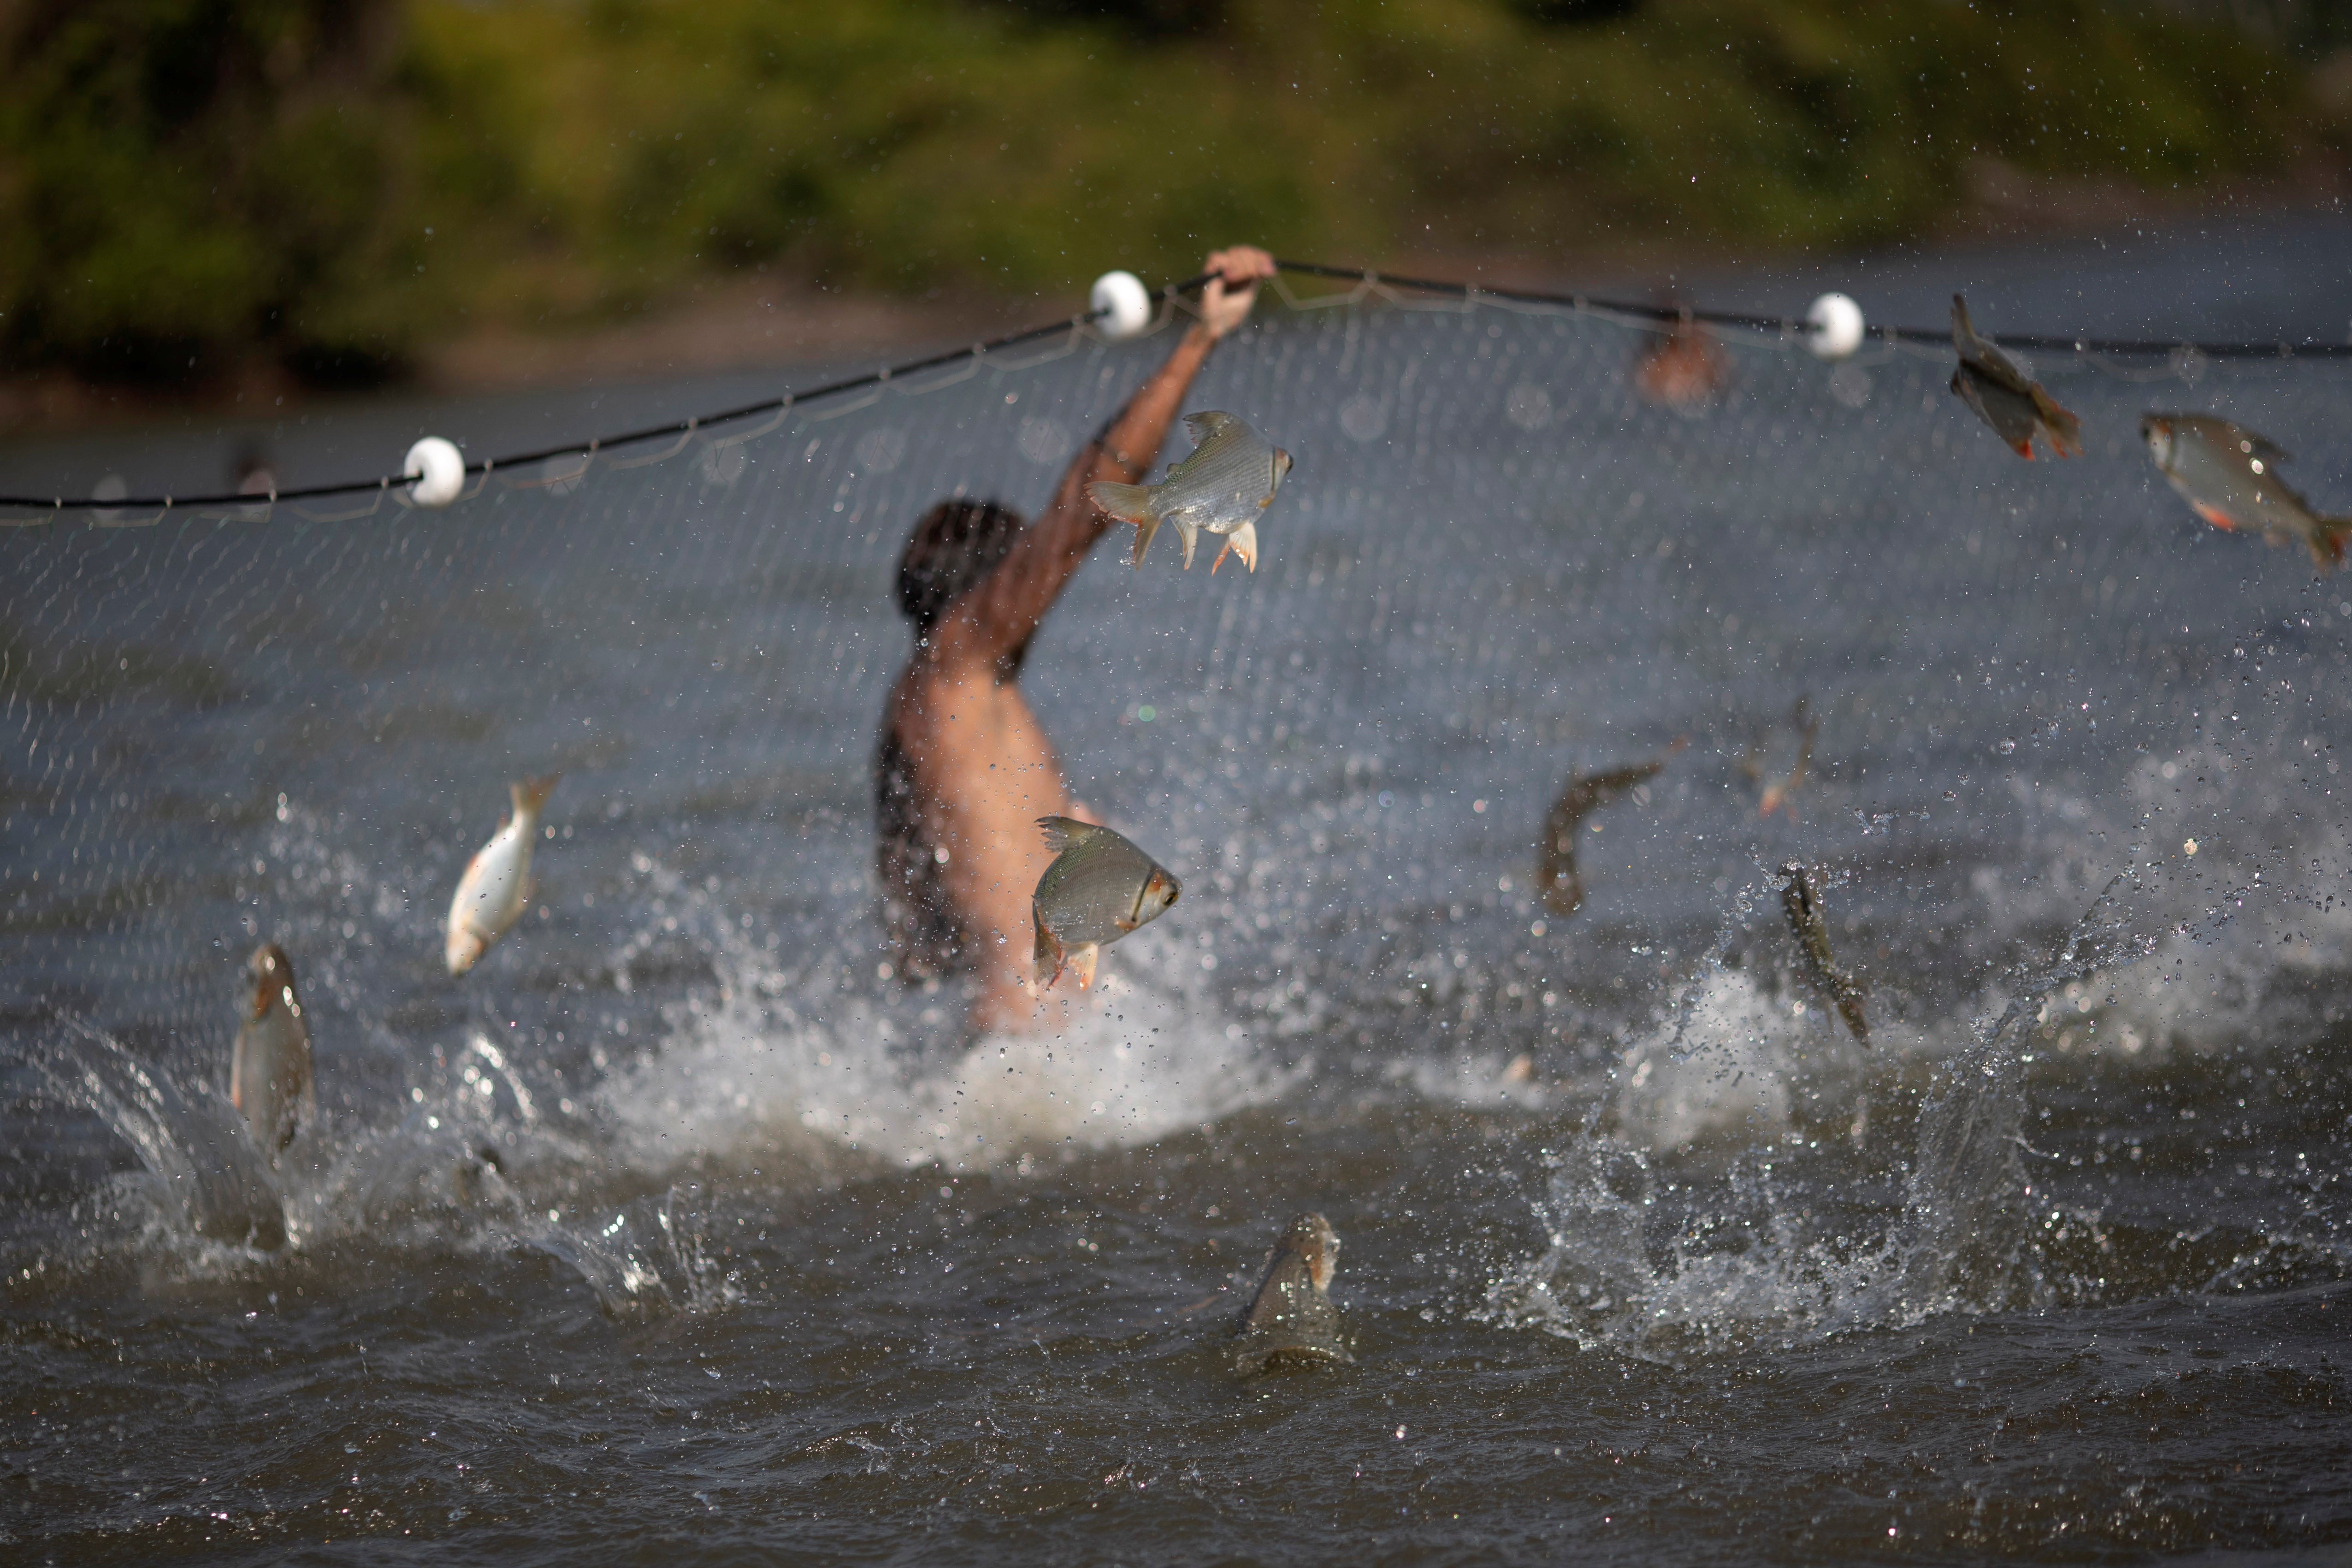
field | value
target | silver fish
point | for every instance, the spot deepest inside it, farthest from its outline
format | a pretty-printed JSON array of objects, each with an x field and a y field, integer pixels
[
  {"x": 269, "y": 1070},
  {"x": 2228, "y": 476},
  {"x": 1228, "y": 480},
  {"x": 2017, "y": 409},
  {"x": 1099, "y": 888},
  {"x": 1806, "y": 923},
  {"x": 497, "y": 884},
  {"x": 1292, "y": 1322},
  {"x": 1558, "y": 882}
]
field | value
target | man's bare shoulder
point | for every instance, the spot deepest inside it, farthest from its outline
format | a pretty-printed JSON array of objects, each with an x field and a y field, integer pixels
[
  {"x": 935, "y": 705},
  {"x": 928, "y": 680}
]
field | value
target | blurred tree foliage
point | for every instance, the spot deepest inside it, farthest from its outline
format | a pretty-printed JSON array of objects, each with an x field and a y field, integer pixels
[{"x": 182, "y": 179}]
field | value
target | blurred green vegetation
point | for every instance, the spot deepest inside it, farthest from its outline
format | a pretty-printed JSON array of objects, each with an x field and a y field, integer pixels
[{"x": 335, "y": 182}]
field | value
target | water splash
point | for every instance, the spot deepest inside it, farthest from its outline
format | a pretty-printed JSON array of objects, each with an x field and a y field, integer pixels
[
  {"x": 190, "y": 1139},
  {"x": 1794, "y": 1238},
  {"x": 1718, "y": 1069},
  {"x": 1966, "y": 1200},
  {"x": 650, "y": 1259},
  {"x": 774, "y": 1061}
]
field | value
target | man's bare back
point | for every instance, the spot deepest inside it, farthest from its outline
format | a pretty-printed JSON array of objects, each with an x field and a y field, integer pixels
[{"x": 965, "y": 768}]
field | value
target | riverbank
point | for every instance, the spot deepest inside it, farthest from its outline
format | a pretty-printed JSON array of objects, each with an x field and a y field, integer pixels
[
  {"x": 756, "y": 322},
  {"x": 447, "y": 196}
]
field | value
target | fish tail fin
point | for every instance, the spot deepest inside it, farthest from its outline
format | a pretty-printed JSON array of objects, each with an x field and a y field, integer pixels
[
  {"x": 1062, "y": 832},
  {"x": 1046, "y": 957},
  {"x": 529, "y": 795},
  {"x": 1129, "y": 503},
  {"x": 1082, "y": 963},
  {"x": 465, "y": 949},
  {"x": 2327, "y": 545},
  {"x": 1190, "y": 533},
  {"x": 2065, "y": 430},
  {"x": 1242, "y": 544},
  {"x": 1563, "y": 892}
]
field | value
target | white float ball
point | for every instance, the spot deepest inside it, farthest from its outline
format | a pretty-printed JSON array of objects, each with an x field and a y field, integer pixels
[
  {"x": 1124, "y": 303},
  {"x": 438, "y": 470},
  {"x": 1837, "y": 326}
]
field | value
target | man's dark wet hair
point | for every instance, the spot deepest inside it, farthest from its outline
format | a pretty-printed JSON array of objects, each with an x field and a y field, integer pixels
[{"x": 956, "y": 544}]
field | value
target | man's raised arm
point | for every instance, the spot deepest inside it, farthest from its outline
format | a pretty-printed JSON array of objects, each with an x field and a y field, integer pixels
[{"x": 1000, "y": 616}]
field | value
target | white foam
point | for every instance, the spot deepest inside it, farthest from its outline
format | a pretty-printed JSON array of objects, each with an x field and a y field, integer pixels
[
  {"x": 1718, "y": 1069},
  {"x": 1602, "y": 1284},
  {"x": 1475, "y": 1080},
  {"x": 2225, "y": 924},
  {"x": 1136, "y": 1060}
]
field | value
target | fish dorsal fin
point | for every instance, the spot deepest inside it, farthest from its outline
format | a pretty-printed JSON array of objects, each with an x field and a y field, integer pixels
[
  {"x": 1964, "y": 332},
  {"x": 2268, "y": 450},
  {"x": 1065, "y": 832},
  {"x": 1208, "y": 423},
  {"x": 1976, "y": 349}
]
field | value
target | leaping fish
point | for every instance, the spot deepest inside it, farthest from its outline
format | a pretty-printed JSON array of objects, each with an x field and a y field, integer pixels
[
  {"x": 2229, "y": 477},
  {"x": 1292, "y": 1322},
  {"x": 1684, "y": 369},
  {"x": 1222, "y": 487},
  {"x": 270, "y": 1067},
  {"x": 1558, "y": 882},
  {"x": 1780, "y": 791},
  {"x": 2017, "y": 409},
  {"x": 496, "y": 885},
  {"x": 1099, "y": 888},
  {"x": 1807, "y": 923}
]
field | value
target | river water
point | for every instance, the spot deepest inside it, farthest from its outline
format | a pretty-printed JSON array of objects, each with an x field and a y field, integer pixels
[{"x": 1644, "y": 1257}]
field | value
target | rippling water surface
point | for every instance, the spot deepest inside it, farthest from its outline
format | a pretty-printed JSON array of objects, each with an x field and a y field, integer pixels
[{"x": 679, "y": 1229}]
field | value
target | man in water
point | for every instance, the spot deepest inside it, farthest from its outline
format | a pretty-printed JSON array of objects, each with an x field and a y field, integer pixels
[{"x": 964, "y": 770}]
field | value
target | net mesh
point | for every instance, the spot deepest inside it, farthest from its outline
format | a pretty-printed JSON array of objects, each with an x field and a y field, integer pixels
[{"x": 1498, "y": 564}]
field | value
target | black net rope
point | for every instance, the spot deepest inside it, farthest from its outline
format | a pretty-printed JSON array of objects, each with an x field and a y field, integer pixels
[{"x": 1369, "y": 282}]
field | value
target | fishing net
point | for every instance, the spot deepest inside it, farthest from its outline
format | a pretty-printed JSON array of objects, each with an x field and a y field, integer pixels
[{"x": 2044, "y": 694}]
